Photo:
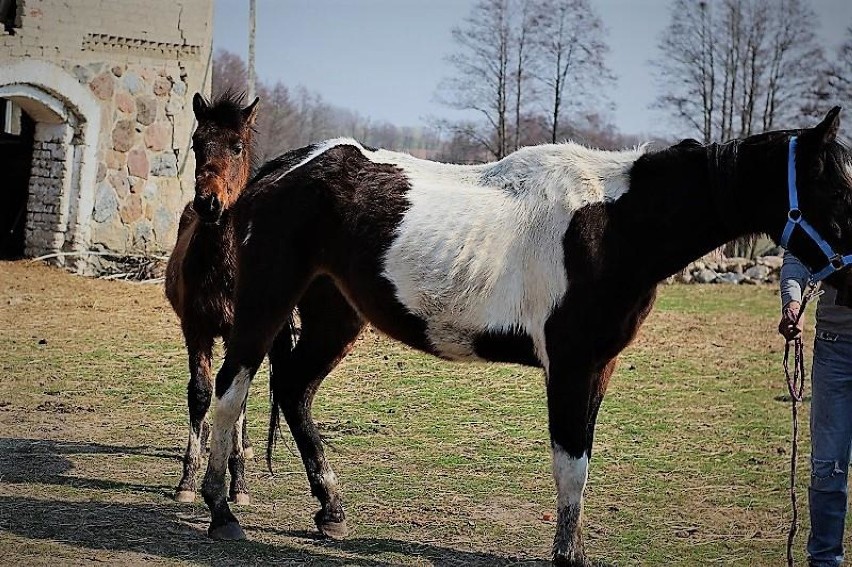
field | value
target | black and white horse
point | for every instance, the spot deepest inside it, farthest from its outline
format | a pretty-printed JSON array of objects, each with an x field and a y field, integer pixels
[{"x": 549, "y": 257}]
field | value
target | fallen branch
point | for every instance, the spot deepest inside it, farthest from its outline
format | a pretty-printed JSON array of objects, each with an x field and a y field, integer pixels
[{"x": 93, "y": 253}]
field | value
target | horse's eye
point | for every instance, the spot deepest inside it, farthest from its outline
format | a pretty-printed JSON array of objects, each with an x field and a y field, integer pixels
[{"x": 237, "y": 148}]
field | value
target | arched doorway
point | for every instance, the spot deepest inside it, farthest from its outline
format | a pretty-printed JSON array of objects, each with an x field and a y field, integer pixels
[
  {"x": 17, "y": 134},
  {"x": 54, "y": 122}
]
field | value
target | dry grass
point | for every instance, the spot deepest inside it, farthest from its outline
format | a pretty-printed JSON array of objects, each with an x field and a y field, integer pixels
[{"x": 440, "y": 463}]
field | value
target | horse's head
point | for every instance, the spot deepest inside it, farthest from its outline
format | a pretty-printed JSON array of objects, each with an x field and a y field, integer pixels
[
  {"x": 222, "y": 143},
  {"x": 819, "y": 231}
]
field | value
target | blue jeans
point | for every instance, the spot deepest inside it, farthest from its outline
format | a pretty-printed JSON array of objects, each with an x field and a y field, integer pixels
[{"x": 831, "y": 441}]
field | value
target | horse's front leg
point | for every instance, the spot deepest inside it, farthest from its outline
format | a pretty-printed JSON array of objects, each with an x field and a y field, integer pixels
[
  {"x": 238, "y": 492},
  {"x": 198, "y": 393},
  {"x": 232, "y": 385},
  {"x": 574, "y": 394}
]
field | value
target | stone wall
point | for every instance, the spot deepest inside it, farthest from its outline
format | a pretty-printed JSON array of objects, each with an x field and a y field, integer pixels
[
  {"x": 139, "y": 192},
  {"x": 765, "y": 269},
  {"x": 139, "y": 64}
]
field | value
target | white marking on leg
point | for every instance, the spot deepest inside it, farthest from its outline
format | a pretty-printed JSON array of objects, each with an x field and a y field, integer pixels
[
  {"x": 225, "y": 416},
  {"x": 570, "y": 475},
  {"x": 329, "y": 480}
]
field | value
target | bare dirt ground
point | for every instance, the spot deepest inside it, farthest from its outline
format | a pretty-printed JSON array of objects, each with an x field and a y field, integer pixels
[{"x": 440, "y": 464}]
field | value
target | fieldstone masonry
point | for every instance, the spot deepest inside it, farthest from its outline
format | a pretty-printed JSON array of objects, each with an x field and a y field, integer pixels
[{"x": 112, "y": 166}]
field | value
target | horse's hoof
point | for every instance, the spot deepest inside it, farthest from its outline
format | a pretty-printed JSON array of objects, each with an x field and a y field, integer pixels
[
  {"x": 185, "y": 496},
  {"x": 231, "y": 531},
  {"x": 333, "y": 530},
  {"x": 241, "y": 498},
  {"x": 563, "y": 561},
  {"x": 248, "y": 453}
]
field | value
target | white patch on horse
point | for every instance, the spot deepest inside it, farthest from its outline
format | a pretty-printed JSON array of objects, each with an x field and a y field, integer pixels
[
  {"x": 480, "y": 248},
  {"x": 570, "y": 475},
  {"x": 329, "y": 480}
]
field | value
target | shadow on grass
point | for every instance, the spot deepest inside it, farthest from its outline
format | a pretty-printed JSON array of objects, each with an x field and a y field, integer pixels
[
  {"x": 24, "y": 461},
  {"x": 175, "y": 531},
  {"x": 433, "y": 554},
  {"x": 169, "y": 531}
]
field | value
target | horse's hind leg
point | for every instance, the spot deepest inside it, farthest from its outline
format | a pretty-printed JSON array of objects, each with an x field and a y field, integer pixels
[
  {"x": 329, "y": 329},
  {"x": 198, "y": 393}
]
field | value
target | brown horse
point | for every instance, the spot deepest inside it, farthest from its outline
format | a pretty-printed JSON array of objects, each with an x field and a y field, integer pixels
[{"x": 201, "y": 271}]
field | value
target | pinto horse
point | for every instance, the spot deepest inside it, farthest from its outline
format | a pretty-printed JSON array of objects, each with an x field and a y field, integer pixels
[
  {"x": 549, "y": 257},
  {"x": 201, "y": 270}
]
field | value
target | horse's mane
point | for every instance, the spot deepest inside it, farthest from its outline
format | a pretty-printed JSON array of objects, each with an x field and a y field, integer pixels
[{"x": 225, "y": 109}]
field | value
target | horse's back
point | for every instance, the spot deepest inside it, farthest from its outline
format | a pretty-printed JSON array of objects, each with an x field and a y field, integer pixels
[{"x": 467, "y": 251}]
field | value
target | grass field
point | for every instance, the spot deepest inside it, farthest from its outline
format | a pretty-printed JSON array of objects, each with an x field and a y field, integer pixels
[{"x": 439, "y": 463}]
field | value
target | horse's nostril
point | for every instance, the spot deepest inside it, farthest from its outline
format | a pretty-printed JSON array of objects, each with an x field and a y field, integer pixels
[{"x": 208, "y": 207}]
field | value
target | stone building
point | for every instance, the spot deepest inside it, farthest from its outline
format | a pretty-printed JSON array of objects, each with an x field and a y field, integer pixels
[{"x": 95, "y": 123}]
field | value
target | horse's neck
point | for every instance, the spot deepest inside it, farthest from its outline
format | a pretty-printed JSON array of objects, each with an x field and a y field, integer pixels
[
  {"x": 214, "y": 242},
  {"x": 681, "y": 207}
]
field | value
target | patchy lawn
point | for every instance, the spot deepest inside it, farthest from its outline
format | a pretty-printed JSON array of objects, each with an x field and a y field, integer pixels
[{"x": 440, "y": 463}]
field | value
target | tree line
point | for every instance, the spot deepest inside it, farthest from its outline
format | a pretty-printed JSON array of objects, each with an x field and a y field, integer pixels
[
  {"x": 295, "y": 117},
  {"x": 534, "y": 71},
  {"x": 732, "y": 68}
]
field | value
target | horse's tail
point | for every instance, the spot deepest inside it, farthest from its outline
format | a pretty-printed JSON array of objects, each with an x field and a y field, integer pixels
[{"x": 287, "y": 337}]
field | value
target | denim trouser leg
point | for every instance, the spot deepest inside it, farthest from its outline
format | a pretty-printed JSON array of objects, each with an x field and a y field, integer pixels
[{"x": 831, "y": 440}]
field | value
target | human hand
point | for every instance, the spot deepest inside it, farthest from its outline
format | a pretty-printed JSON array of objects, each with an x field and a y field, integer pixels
[{"x": 789, "y": 327}]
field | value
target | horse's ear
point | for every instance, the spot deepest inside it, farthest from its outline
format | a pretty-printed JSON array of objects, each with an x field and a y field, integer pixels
[
  {"x": 199, "y": 105},
  {"x": 250, "y": 112},
  {"x": 826, "y": 131}
]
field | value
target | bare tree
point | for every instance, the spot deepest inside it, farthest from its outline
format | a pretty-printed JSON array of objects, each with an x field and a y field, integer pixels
[
  {"x": 687, "y": 66},
  {"x": 229, "y": 73},
  {"x": 527, "y": 23},
  {"x": 840, "y": 73},
  {"x": 733, "y": 67},
  {"x": 482, "y": 80},
  {"x": 570, "y": 52}
]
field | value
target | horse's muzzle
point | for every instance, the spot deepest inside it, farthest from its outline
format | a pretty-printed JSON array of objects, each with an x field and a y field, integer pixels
[{"x": 208, "y": 208}]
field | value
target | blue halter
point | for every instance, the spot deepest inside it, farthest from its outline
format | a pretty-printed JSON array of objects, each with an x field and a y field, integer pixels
[{"x": 794, "y": 218}]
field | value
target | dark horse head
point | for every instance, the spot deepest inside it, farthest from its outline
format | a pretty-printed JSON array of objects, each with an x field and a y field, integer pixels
[
  {"x": 222, "y": 143},
  {"x": 823, "y": 179}
]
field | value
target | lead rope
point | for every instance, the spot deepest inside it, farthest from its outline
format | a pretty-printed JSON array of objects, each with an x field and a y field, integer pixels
[{"x": 796, "y": 388}]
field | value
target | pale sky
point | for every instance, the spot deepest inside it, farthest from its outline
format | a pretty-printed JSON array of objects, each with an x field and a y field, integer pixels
[{"x": 385, "y": 58}]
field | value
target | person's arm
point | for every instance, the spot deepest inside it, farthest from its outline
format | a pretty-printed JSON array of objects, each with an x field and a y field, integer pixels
[{"x": 794, "y": 279}]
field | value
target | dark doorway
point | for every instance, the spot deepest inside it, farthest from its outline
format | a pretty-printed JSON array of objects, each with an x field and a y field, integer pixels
[{"x": 16, "y": 156}]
